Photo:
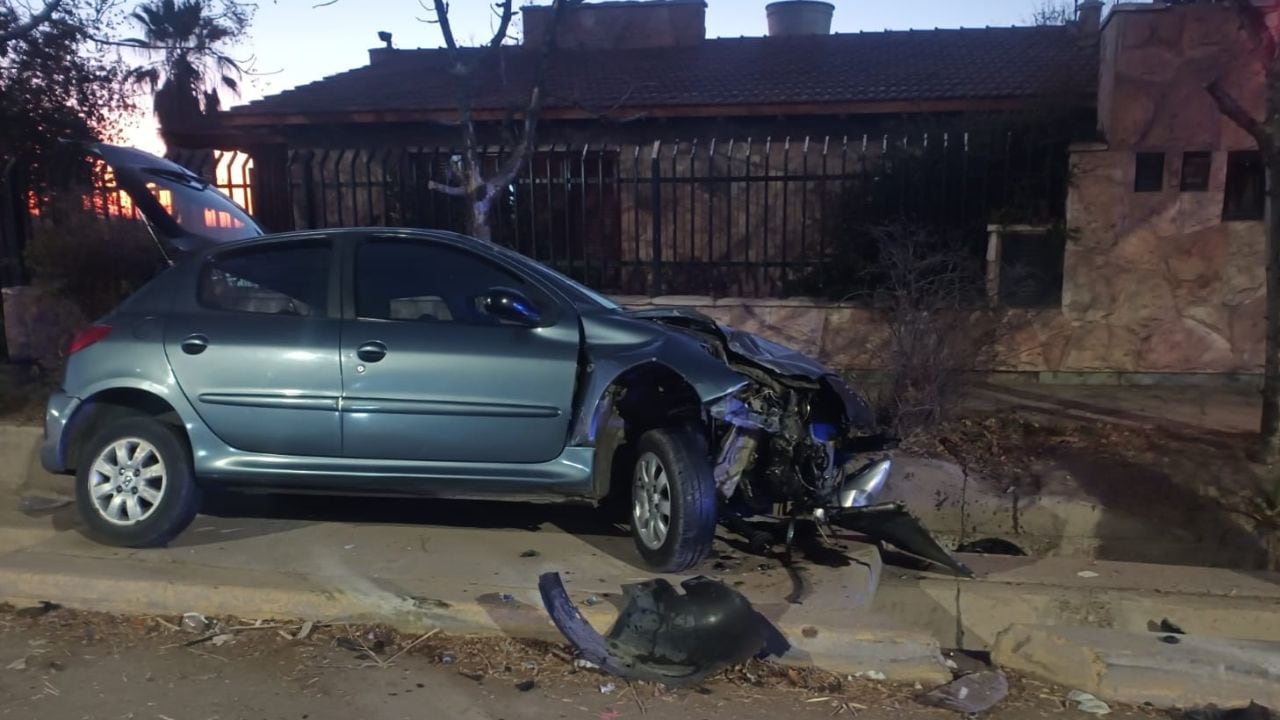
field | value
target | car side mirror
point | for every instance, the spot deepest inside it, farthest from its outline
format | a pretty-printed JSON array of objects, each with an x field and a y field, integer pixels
[{"x": 510, "y": 306}]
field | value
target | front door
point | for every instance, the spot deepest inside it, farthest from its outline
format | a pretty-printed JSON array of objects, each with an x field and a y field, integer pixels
[
  {"x": 255, "y": 347},
  {"x": 428, "y": 375}
]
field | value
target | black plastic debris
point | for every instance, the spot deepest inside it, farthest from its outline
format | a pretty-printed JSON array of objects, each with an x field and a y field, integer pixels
[
  {"x": 529, "y": 554},
  {"x": 662, "y": 635},
  {"x": 891, "y": 523},
  {"x": 1168, "y": 626},
  {"x": 44, "y": 608},
  {"x": 525, "y": 685},
  {"x": 991, "y": 546},
  {"x": 970, "y": 694},
  {"x": 1212, "y": 712}
]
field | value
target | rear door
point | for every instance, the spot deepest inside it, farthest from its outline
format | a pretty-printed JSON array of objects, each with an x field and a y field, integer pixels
[
  {"x": 254, "y": 346},
  {"x": 428, "y": 376}
]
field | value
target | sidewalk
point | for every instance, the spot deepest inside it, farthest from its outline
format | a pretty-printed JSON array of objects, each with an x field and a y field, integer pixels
[{"x": 1230, "y": 409}]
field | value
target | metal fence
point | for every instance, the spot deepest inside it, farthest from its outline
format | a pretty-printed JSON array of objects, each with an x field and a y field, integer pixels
[{"x": 754, "y": 217}]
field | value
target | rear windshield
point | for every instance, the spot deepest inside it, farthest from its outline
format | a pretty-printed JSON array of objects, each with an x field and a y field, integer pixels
[{"x": 199, "y": 208}]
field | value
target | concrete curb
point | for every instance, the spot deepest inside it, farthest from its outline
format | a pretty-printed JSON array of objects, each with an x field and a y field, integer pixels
[
  {"x": 1128, "y": 597},
  {"x": 1141, "y": 668},
  {"x": 843, "y": 644}
]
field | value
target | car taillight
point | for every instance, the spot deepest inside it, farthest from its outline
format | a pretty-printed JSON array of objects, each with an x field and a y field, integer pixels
[{"x": 87, "y": 337}]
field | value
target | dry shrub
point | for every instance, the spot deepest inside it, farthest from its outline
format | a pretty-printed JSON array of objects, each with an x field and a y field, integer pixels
[{"x": 92, "y": 260}]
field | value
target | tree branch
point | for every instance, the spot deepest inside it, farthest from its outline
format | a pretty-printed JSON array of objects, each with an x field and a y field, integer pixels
[
  {"x": 1238, "y": 114},
  {"x": 452, "y": 190},
  {"x": 23, "y": 29},
  {"x": 503, "y": 24},
  {"x": 446, "y": 28},
  {"x": 511, "y": 167}
]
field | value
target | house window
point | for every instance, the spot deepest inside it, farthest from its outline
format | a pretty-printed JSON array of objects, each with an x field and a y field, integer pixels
[
  {"x": 1024, "y": 267},
  {"x": 1148, "y": 173},
  {"x": 1196, "y": 167},
  {"x": 1246, "y": 187}
]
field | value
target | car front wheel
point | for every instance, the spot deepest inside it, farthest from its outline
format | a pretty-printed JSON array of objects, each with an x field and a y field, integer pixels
[
  {"x": 135, "y": 486},
  {"x": 673, "y": 499}
]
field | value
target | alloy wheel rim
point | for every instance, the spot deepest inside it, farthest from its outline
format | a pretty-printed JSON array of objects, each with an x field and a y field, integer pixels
[
  {"x": 651, "y": 501},
  {"x": 127, "y": 481}
]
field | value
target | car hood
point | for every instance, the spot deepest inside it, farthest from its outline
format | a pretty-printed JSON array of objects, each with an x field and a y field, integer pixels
[
  {"x": 749, "y": 346},
  {"x": 766, "y": 354}
]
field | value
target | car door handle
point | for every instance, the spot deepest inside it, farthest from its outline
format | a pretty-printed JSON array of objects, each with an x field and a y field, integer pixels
[
  {"x": 371, "y": 352},
  {"x": 195, "y": 344}
]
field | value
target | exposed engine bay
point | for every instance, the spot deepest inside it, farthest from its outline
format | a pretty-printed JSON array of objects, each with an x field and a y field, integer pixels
[{"x": 797, "y": 444}]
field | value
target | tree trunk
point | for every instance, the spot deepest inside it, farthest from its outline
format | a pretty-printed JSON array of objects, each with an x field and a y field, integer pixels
[
  {"x": 1270, "y": 446},
  {"x": 478, "y": 219}
]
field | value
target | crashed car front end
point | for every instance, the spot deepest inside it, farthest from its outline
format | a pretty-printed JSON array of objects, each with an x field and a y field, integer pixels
[{"x": 797, "y": 443}]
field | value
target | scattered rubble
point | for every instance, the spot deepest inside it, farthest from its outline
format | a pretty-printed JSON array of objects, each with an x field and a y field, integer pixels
[
  {"x": 194, "y": 622},
  {"x": 1086, "y": 702},
  {"x": 1254, "y": 711},
  {"x": 970, "y": 694}
]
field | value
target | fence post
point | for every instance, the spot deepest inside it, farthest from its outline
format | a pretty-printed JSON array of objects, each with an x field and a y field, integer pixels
[{"x": 655, "y": 184}]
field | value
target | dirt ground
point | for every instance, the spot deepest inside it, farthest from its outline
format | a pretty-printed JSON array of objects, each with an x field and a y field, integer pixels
[
  {"x": 81, "y": 666},
  {"x": 1208, "y": 490}
]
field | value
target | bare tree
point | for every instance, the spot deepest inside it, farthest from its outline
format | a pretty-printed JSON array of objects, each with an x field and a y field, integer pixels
[
  {"x": 1266, "y": 132},
  {"x": 1053, "y": 12},
  {"x": 14, "y": 26},
  {"x": 471, "y": 183}
]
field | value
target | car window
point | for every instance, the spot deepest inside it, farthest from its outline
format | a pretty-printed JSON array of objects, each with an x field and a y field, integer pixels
[
  {"x": 277, "y": 279},
  {"x": 415, "y": 281}
]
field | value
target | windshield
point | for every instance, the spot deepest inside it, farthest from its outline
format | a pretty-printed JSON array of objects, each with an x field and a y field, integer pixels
[
  {"x": 579, "y": 294},
  {"x": 198, "y": 207}
]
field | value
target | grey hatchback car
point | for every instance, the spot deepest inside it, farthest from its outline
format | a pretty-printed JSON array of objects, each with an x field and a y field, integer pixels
[{"x": 394, "y": 362}]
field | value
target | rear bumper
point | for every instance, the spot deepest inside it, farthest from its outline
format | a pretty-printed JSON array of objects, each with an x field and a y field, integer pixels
[{"x": 57, "y": 419}]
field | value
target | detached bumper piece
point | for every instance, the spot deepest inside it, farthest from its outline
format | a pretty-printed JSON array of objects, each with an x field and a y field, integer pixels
[
  {"x": 891, "y": 523},
  {"x": 661, "y": 635}
]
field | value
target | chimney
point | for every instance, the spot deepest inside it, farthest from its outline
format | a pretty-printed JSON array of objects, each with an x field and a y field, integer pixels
[
  {"x": 1089, "y": 16},
  {"x": 799, "y": 17},
  {"x": 619, "y": 24}
]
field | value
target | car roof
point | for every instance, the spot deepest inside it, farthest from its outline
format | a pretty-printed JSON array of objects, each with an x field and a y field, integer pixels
[{"x": 409, "y": 233}]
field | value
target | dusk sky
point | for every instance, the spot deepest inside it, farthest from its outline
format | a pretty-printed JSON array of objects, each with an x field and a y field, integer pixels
[{"x": 294, "y": 42}]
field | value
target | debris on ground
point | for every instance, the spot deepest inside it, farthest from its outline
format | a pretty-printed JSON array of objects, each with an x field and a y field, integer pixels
[
  {"x": 1087, "y": 574},
  {"x": 1168, "y": 626},
  {"x": 607, "y": 688},
  {"x": 1086, "y": 702},
  {"x": 19, "y": 664},
  {"x": 44, "y": 608},
  {"x": 530, "y": 554},
  {"x": 991, "y": 546},
  {"x": 970, "y": 694},
  {"x": 591, "y": 601},
  {"x": 875, "y": 675},
  {"x": 40, "y": 503},
  {"x": 525, "y": 685},
  {"x": 662, "y": 635},
  {"x": 194, "y": 622},
  {"x": 1212, "y": 712}
]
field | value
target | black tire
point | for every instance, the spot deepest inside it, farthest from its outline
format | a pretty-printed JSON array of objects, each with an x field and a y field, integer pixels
[
  {"x": 178, "y": 502},
  {"x": 686, "y": 464}
]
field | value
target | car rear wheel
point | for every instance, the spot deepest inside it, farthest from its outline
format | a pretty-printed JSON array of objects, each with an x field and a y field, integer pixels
[
  {"x": 673, "y": 499},
  {"x": 135, "y": 486}
]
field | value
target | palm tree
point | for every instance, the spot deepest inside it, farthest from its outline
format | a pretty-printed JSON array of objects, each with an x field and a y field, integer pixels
[{"x": 187, "y": 42}]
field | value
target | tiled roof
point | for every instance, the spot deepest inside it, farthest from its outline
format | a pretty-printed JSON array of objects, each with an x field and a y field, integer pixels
[{"x": 884, "y": 67}]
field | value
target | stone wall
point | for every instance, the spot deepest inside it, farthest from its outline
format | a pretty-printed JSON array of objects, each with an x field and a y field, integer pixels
[{"x": 1156, "y": 281}]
